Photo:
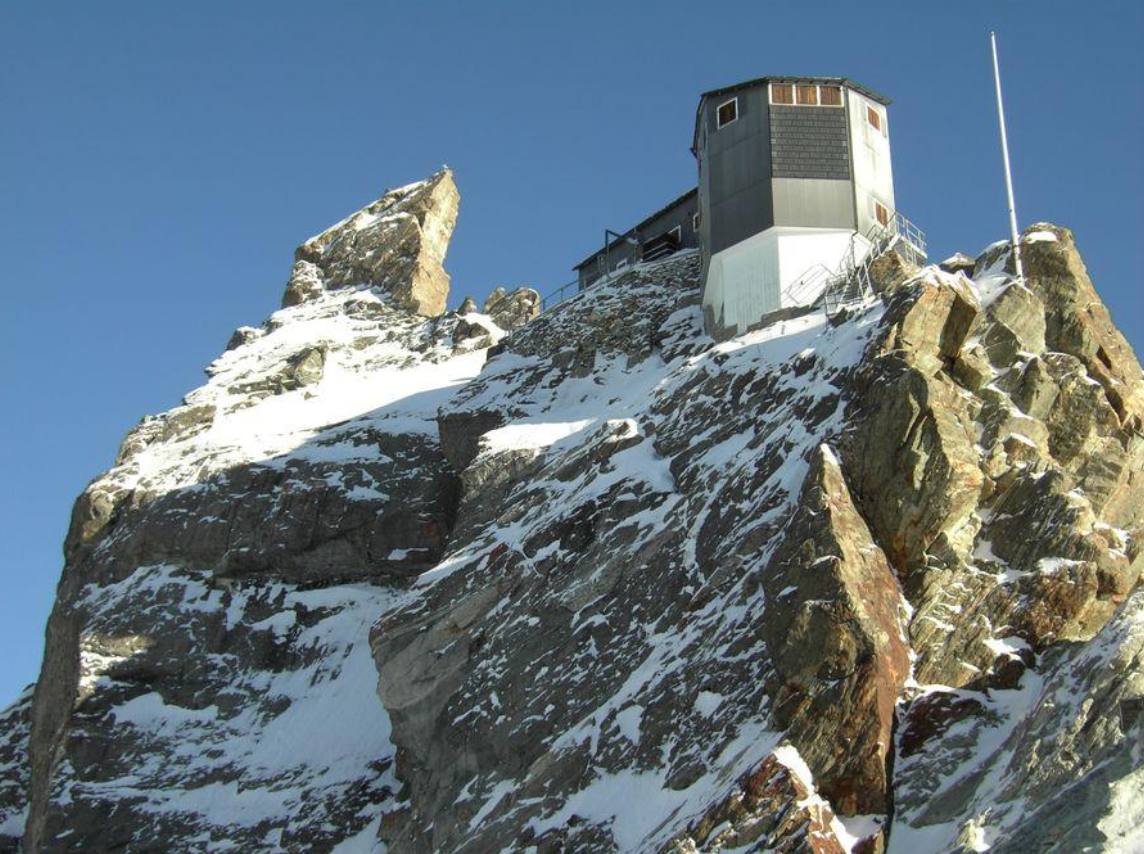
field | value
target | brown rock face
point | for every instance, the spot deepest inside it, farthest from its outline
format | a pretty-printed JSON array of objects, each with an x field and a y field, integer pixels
[
  {"x": 995, "y": 436},
  {"x": 398, "y": 244},
  {"x": 1078, "y": 323},
  {"x": 913, "y": 460},
  {"x": 835, "y": 633}
]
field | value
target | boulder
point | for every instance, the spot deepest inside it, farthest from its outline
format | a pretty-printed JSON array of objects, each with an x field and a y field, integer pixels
[
  {"x": 914, "y": 463},
  {"x": 891, "y": 270},
  {"x": 243, "y": 336},
  {"x": 958, "y": 262},
  {"x": 928, "y": 323},
  {"x": 470, "y": 329},
  {"x": 305, "y": 367}
]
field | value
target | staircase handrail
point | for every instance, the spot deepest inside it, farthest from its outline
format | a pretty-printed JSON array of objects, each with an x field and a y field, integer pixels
[
  {"x": 852, "y": 284},
  {"x": 796, "y": 291}
]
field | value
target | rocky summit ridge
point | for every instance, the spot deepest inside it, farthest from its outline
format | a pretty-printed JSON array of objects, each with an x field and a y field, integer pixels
[{"x": 399, "y": 578}]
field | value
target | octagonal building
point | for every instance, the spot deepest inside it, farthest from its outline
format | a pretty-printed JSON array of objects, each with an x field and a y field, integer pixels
[{"x": 790, "y": 170}]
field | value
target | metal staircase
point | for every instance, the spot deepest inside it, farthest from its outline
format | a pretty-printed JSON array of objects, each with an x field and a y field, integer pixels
[{"x": 851, "y": 284}]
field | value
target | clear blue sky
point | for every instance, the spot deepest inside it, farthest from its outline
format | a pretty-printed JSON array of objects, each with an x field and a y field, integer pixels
[{"x": 160, "y": 161}]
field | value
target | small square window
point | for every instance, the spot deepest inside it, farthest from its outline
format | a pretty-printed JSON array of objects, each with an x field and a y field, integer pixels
[
  {"x": 807, "y": 95},
  {"x": 782, "y": 93},
  {"x": 882, "y": 213},
  {"x": 728, "y": 111},
  {"x": 873, "y": 117},
  {"x": 830, "y": 96}
]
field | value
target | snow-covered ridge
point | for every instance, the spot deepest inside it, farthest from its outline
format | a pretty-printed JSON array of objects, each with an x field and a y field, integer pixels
[
  {"x": 390, "y": 582},
  {"x": 375, "y": 366}
]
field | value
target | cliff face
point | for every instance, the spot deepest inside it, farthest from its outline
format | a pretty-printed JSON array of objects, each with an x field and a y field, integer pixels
[{"x": 604, "y": 584}]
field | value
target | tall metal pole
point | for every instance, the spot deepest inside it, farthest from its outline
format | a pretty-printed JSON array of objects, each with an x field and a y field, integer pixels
[{"x": 1005, "y": 156}]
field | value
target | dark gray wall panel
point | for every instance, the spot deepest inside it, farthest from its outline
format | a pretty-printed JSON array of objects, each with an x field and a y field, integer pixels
[
  {"x": 737, "y": 187},
  {"x": 680, "y": 215}
]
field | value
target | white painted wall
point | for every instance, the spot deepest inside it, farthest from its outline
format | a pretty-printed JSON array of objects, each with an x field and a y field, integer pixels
[
  {"x": 802, "y": 249},
  {"x": 870, "y": 152},
  {"x": 745, "y": 282}
]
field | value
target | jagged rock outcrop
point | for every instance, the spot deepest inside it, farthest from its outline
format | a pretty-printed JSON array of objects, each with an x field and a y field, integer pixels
[
  {"x": 396, "y": 245},
  {"x": 512, "y": 309},
  {"x": 308, "y": 461},
  {"x": 834, "y": 624},
  {"x": 604, "y": 584}
]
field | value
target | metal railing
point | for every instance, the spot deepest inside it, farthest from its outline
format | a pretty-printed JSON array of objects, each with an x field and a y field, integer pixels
[
  {"x": 561, "y": 293},
  {"x": 806, "y": 288},
  {"x": 912, "y": 236},
  {"x": 556, "y": 296},
  {"x": 849, "y": 285}
]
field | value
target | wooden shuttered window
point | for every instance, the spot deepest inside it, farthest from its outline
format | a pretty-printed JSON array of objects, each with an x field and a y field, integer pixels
[
  {"x": 782, "y": 93},
  {"x": 830, "y": 96},
  {"x": 807, "y": 95},
  {"x": 873, "y": 118}
]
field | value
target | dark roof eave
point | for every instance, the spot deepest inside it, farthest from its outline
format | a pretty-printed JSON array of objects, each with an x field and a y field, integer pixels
[
  {"x": 775, "y": 78},
  {"x": 746, "y": 84}
]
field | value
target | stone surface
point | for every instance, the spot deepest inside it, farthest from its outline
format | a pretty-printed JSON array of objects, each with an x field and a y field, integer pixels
[
  {"x": 15, "y": 726},
  {"x": 959, "y": 262},
  {"x": 835, "y": 631},
  {"x": 606, "y": 584},
  {"x": 397, "y": 245},
  {"x": 891, "y": 270},
  {"x": 772, "y": 809},
  {"x": 512, "y": 309},
  {"x": 307, "y": 462}
]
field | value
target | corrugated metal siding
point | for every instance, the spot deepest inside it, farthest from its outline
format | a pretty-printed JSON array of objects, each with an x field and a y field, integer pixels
[{"x": 809, "y": 142}]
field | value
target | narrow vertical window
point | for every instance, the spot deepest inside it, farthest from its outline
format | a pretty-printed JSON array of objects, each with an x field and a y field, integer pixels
[
  {"x": 782, "y": 93},
  {"x": 873, "y": 118},
  {"x": 728, "y": 111},
  {"x": 830, "y": 96},
  {"x": 807, "y": 95}
]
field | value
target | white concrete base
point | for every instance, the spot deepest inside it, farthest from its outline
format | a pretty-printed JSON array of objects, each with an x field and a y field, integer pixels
[{"x": 747, "y": 281}]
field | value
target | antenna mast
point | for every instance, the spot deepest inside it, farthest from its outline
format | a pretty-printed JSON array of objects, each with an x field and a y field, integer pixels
[{"x": 1005, "y": 156}]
